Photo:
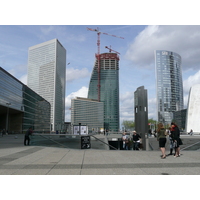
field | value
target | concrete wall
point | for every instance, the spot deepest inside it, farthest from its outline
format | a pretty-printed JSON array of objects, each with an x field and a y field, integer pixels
[{"x": 193, "y": 111}]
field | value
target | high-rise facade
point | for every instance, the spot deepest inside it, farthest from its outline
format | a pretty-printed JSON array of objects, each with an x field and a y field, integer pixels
[
  {"x": 169, "y": 84},
  {"x": 109, "y": 88},
  {"x": 47, "y": 77},
  {"x": 88, "y": 112}
]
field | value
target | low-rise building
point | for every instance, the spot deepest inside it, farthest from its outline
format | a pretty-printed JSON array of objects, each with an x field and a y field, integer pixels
[
  {"x": 88, "y": 112},
  {"x": 21, "y": 107}
]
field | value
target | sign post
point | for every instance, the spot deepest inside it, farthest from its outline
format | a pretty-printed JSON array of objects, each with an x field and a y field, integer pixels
[{"x": 85, "y": 142}]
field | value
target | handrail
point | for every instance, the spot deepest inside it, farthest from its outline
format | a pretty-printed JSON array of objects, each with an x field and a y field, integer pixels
[
  {"x": 53, "y": 140},
  {"x": 150, "y": 145},
  {"x": 103, "y": 142},
  {"x": 190, "y": 146},
  {"x": 44, "y": 136}
]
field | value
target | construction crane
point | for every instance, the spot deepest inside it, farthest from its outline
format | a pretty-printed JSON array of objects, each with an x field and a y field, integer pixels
[
  {"x": 110, "y": 50},
  {"x": 98, "y": 55}
]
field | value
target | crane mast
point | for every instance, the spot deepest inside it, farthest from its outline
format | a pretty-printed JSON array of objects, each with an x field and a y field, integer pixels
[{"x": 98, "y": 57}]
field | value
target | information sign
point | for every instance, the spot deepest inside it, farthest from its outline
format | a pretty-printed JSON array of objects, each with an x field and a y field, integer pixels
[{"x": 85, "y": 142}]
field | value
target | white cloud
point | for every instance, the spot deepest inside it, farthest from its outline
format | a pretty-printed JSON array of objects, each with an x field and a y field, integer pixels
[
  {"x": 83, "y": 92},
  {"x": 188, "y": 83},
  {"x": 192, "y": 80},
  {"x": 47, "y": 29},
  {"x": 23, "y": 79},
  {"x": 127, "y": 107},
  {"x": 152, "y": 109},
  {"x": 184, "y": 40},
  {"x": 127, "y": 98},
  {"x": 58, "y": 31},
  {"x": 78, "y": 38},
  {"x": 74, "y": 74},
  {"x": 185, "y": 100}
]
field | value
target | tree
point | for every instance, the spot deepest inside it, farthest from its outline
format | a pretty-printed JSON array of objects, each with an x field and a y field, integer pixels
[
  {"x": 152, "y": 121},
  {"x": 128, "y": 124}
]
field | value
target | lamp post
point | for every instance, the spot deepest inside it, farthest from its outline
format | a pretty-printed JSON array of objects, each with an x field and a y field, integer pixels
[{"x": 8, "y": 104}]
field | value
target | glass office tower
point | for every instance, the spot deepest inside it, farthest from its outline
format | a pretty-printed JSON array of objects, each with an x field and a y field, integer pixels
[
  {"x": 21, "y": 107},
  {"x": 169, "y": 84},
  {"x": 109, "y": 88},
  {"x": 47, "y": 77}
]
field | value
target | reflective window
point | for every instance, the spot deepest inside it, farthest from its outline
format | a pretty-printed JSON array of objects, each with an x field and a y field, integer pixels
[
  {"x": 109, "y": 90},
  {"x": 35, "y": 109},
  {"x": 169, "y": 85}
]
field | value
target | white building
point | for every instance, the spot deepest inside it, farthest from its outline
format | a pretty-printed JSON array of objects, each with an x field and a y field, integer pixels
[
  {"x": 47, "y": 77},
  {"x": 193, "y": 110}
]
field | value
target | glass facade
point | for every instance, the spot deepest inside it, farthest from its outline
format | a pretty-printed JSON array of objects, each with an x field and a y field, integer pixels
[
  {"x": 109, "y": 88},
  {"x": 169, "y": 84},
  {"x": 180, "y": 118},
  {"x": 87, "y": 112},
  {"x": 21, "y": 107},
  {"x": 47, "y": 77}
]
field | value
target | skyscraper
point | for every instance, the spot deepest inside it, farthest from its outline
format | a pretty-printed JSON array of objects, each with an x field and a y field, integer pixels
[
  {"x": 109, "y": 88},
  {"x": 169, "y": 84},
  {"x": 47, "y": 77}
]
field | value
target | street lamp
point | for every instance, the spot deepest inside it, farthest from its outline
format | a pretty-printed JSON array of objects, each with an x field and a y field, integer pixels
[{"x": 8, "y": 104}]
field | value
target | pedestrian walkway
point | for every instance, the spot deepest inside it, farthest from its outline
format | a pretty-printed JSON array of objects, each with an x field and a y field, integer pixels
[{"x": 17, "y": 159}]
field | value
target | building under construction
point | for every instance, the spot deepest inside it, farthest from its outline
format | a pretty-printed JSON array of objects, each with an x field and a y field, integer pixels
[{"x": 104, "y": 83}]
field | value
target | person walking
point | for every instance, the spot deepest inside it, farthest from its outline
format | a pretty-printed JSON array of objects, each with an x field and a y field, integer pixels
[
  {"x": 171, "y": 147},
  {"x": 125, "y": 141},
  {"x": 3, "y": 132},
  {"x": 136, "y": 140},
  {"x": 161, "y": 137},
  {"x": 27, "y": 134},
  {"x": 175, "y": 134}
]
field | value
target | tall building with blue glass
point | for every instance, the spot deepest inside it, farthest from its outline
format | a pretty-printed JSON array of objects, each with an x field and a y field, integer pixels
[
  {"x": 109, "y": 88},
  {"x": 169, "y": 84}
]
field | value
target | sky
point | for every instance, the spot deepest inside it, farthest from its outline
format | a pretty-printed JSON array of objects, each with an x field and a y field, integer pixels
[
  {"x": 137, "y": 63},
  {"x": 136, "y": 21}
]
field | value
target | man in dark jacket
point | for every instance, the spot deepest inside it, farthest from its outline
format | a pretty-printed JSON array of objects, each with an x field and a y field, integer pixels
[
  {"x": 175, "y": 135},
  {"x": 26, "y": 137},
  {"x": 136, "y": 141}
]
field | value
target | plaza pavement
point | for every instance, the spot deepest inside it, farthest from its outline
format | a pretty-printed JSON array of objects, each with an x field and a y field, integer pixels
[{"x": 17, "y": 159}]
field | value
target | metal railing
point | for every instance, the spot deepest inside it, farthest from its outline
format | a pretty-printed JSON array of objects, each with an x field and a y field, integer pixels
[
  {"x": 104, "y": 142},
  {"x": 195, "y": 146}
]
